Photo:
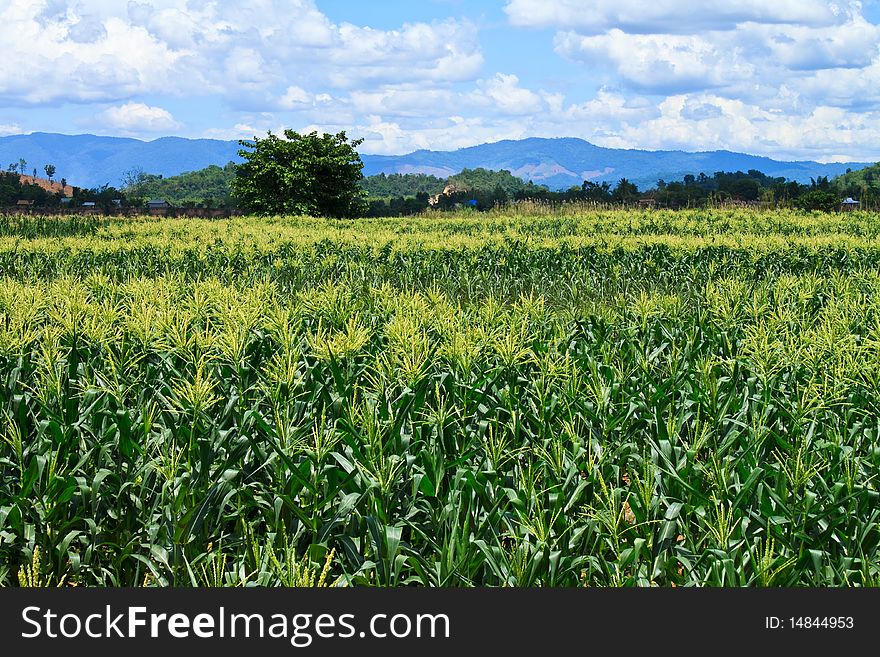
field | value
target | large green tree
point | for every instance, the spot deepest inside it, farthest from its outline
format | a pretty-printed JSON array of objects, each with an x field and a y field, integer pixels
[
  {"x": 300, "y": 174},
  {"x": 819, "y": 199},
  {"x": 625, "y": 192}
]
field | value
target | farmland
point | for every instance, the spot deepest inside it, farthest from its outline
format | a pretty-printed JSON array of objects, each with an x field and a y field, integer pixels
[{"x": 566, "y": 397}]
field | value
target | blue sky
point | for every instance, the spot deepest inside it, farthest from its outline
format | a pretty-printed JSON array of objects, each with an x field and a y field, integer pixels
[{"x": 794, "y": 79}]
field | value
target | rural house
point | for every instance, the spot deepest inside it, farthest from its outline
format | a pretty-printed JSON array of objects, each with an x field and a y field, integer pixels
[
  {"x": 158, "y": 206},
  {"x": 849, "y": 204}
]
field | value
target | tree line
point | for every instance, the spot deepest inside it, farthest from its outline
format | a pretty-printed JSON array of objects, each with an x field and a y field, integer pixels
[
  {"x": 693, "y": 191},
  {"x": 13, "y": 190},
  {"x": 322, "y": 174}
]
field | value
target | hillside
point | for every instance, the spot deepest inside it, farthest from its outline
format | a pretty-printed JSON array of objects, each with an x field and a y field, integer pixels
[
  {"x": 413, "y": 184},
  {"x": 867, "y": 179},
  {"x": 402, "y": 184},
  {"x": 209, "y": 184},
  {"x": 51, "y": 186},
  {"x": 92, "y": 161},
  {"x": 561, "y": 163}
]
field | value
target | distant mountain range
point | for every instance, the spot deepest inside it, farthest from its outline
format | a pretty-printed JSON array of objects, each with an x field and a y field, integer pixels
[
  {"x": 91, "y": 161},
  {"x": 561, "y": 163}
]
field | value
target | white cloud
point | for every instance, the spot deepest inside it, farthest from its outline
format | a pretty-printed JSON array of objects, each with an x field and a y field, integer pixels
[
  {"x": 7, "y": 129},
  {"x": 695, "y": 109},
  {"x": 851, "y": 44},
  {"x": 666, "y": 16},
  {"x": 748, "y": 58},
  {"x": 662, "y": 62},
  {"x": 44, "y": 64},
  {"x": 687, "y": 121},
  {"x": 788, "y": 78},
  {"x": 398, "y": 121},
  {"x": 709, "y": 122},
  {"x": 417, "y": 53},
  {"x": 404, "y": 101},
  {"x": 607, "y": 110},
  {"x": 250, "y": 53},
  {"x": 848, "y": 88},
  {"x": 295, "y": 97},
  {"x": 447, "y": 133},
  {"x": 792, "y": 78},
  {"x": 744, "y": 49},
  {"x": 388, "y": 137},
  {"x": 504, "y": 94},
  {"x": 238, "y": 131},
  {"x": 138, "y": 118}
]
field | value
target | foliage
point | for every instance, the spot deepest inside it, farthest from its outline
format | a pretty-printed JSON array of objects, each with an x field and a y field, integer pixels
[
  {"x": 209, "y": 187},
  {"x": 398, "y": 207},
  {"x": 408, "y": 194},
  {"x": 869, "y": 176},
  {"x": 12, "y": 190},
  {"x": 625, "y": 192},
  {"x": 862, "y": 185},
  {"x": 489, "y": 188},
  {"x": 106, "y": 198},
  {"x": 489, "y": 181},
  {"x": 595, "y": 192},
  {"x": 401, "y": 185},
  {"x": 818, "y": 199},
  {"x": 308, "y": 174},
  {"x": 698, "y": 191}
]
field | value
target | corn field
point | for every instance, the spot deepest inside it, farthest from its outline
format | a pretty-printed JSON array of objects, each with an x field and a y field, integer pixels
[{"x": 585, "y": 398}]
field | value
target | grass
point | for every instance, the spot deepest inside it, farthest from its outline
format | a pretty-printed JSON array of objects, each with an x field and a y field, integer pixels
[{"x": 606, "y": 398}]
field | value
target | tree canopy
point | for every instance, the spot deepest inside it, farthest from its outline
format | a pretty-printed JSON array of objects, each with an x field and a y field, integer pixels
[
  {"x": 382, "y": 186},
  {"x": 489, "y": 180},
  {"x": 308, "y": 174},
  {"x": 13, "y": 189},
  {"x": 208, "y": 186}
]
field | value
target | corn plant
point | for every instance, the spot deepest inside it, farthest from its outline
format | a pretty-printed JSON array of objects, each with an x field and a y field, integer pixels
[{"x": 604, "y": 398}]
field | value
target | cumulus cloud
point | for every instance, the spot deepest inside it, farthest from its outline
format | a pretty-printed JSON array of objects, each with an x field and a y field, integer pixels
[
  {"x": 442, "y": 52},
  {"x": 505, "y": 95},
  {"x": 697, "y": 110},
  {"x": 44, "y": 64},
  {"x": 248, "y": 52},
  {"x": 138, "y": 118},
  {"x": 789, "y": 78},
  {"x": 785, "y": 78},
  {"x": 239, "y": 131},
  {"x": 747, "y": 58},
  {"x": 667, "y": 16},
  {"x": 450, "y": 132},
  {"x": 854, "y": 43},
  {"x": 664, "y": 63},
  {"x": 687, "y": 121},
  {"x": 825, "y": 133},
  {"x": 10, "y": 129},
  {"x": 295, "y": 97},
  {"x": 741, "y": 48},
  {"x": 404, "y": 101}
]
